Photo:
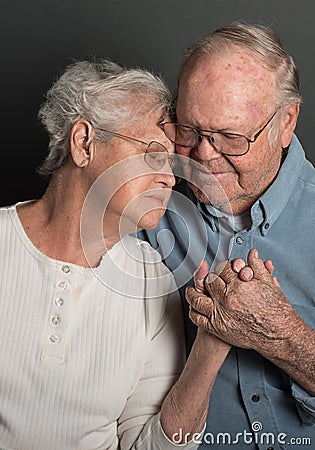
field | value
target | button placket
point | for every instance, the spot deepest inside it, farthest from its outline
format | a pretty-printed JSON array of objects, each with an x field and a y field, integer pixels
[
  {"x": 54, "y": 346},
  {"x": 241, "y": 243},
  {"x": 255, "y": 395}
]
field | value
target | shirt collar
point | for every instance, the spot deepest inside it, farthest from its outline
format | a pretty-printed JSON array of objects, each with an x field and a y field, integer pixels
[{"x": 274, "y": 200}]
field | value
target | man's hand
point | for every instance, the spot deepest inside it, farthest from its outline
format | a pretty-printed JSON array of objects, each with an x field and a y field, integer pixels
[
  {"x": 246, "y": 273},
  {"x": 238, "y": 265},
  {"x": 254, "y": 315}
]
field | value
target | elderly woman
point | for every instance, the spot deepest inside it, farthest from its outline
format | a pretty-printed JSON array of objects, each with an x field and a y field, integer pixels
[{"x": 92, "y": 341}]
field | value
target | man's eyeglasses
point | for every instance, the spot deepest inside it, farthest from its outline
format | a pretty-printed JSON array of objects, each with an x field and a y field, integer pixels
[
  {"x": 232, "y": 144},
  {"x": 156, "y": 155}
]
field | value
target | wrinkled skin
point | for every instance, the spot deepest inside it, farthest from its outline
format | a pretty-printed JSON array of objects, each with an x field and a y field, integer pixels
[
  {"x": 238, "y": 265},
  {"x": 255, "y": 315}
]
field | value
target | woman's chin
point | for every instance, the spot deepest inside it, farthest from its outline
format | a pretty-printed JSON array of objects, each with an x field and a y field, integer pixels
[{"x": 150, "y": 220}]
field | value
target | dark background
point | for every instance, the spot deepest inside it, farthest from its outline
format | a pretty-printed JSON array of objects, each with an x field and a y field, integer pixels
[{"x": 40, "y": 37}]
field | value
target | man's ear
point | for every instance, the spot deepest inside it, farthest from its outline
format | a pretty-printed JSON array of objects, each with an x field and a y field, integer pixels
[
  {"x": 81, "y": 143},
  {"x": 288, "y": 123}
]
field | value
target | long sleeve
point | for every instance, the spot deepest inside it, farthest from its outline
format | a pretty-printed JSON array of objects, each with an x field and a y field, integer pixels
[{"x": 165, "y": 355}]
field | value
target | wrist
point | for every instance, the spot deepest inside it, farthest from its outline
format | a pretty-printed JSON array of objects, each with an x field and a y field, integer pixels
[
  {"x": 210, "y": 346},
  {"x": 288, "y": 340}
]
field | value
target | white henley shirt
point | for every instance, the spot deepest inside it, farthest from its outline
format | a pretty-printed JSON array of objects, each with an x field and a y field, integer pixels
[{"x": 87, "y": 355}]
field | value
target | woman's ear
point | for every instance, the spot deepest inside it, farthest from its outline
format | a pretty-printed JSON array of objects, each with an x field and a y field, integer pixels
[
  {"x": 289, "y": 120},
  {"x": 81, "y": 143}
]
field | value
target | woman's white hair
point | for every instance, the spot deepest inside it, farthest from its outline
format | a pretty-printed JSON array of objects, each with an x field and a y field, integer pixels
[{"x": 105, "y": 94}]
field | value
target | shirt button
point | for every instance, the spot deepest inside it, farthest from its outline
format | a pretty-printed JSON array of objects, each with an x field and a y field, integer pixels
[
  {"x": 59, "y": 302},
  {"x": 266, "y": 226},
  {"x": 53, "y": 338},
  {"x": 65, "y": 269},
  {"x": 62, "y": 285},
  {"x": 55, "y": 320},
  {"x": 255, "y": 398},
  {"x": 239, "y": 240}
]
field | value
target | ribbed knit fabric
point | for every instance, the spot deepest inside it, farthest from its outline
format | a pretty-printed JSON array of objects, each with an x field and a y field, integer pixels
[{"x": 83, "y": 365}]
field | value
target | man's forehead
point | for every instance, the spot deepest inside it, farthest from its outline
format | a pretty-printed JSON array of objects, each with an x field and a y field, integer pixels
[
  {"x": 233, "y": 80},
  {"x": 238, "y": 65}
]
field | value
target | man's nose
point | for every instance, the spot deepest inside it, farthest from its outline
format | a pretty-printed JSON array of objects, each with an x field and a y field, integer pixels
[{"x": 205, "y": 149}]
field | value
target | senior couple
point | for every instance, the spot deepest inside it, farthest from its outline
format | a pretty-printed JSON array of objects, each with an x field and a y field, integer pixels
[{"x": 92, "y": 336}]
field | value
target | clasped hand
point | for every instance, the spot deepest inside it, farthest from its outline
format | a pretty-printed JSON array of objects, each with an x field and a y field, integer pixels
[{"x": 242, "y": 305}]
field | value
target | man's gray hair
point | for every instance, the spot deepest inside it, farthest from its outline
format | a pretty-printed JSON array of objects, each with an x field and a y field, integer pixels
[
  {"x": 263, "y": 42},
  {"x": 105, "y": 94}
]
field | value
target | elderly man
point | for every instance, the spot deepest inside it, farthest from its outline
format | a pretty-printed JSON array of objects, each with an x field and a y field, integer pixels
[{"x": 249, "y": 186}]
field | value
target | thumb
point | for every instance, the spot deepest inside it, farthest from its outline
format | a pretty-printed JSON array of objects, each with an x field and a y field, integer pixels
[{"x": 200, "y": 275}]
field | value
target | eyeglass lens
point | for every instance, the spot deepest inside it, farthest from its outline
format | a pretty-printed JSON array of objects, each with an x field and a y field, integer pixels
[
  {"x": 157, "y": 156},
  {"x": 227, "y": 143}
]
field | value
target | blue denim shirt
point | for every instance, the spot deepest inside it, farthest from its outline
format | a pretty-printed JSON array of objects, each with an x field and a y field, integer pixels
[{"x": 254, "y": 404}]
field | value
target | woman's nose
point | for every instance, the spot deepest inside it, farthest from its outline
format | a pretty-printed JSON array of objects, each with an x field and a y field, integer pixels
[
  {"x": 166, "y": 176},
  {"x": 169, "y": 179}
]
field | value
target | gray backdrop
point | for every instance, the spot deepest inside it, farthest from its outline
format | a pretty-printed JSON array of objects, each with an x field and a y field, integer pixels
[{"x": 39, "y": 37}]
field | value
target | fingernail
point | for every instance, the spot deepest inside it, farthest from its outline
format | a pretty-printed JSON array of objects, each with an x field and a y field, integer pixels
[
  {"x": 247, "y": 275},
  {"x": 256, "y": 253}
]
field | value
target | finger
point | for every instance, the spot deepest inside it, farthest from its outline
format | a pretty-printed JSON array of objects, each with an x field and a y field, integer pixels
[
  {"x": 275, "y": 282},
  {"x": 257, "y": 265},
  {"x": 225, "y": 271},
  {"x": 215, "y": 285},
  {"x": 237, "y": 264},
  {"x": 200, "y": 320},
  {"x": 246, "y": 274},
  {"x": 198, "y": 301},
  {"x": 200, "y": 275},
  {"x": 269, "y": 266}
]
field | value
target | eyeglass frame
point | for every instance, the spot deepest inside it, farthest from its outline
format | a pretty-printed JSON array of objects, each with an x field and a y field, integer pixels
[
  {"x": 169, "y": 157},
  {"x": 201, "y": 135}
]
